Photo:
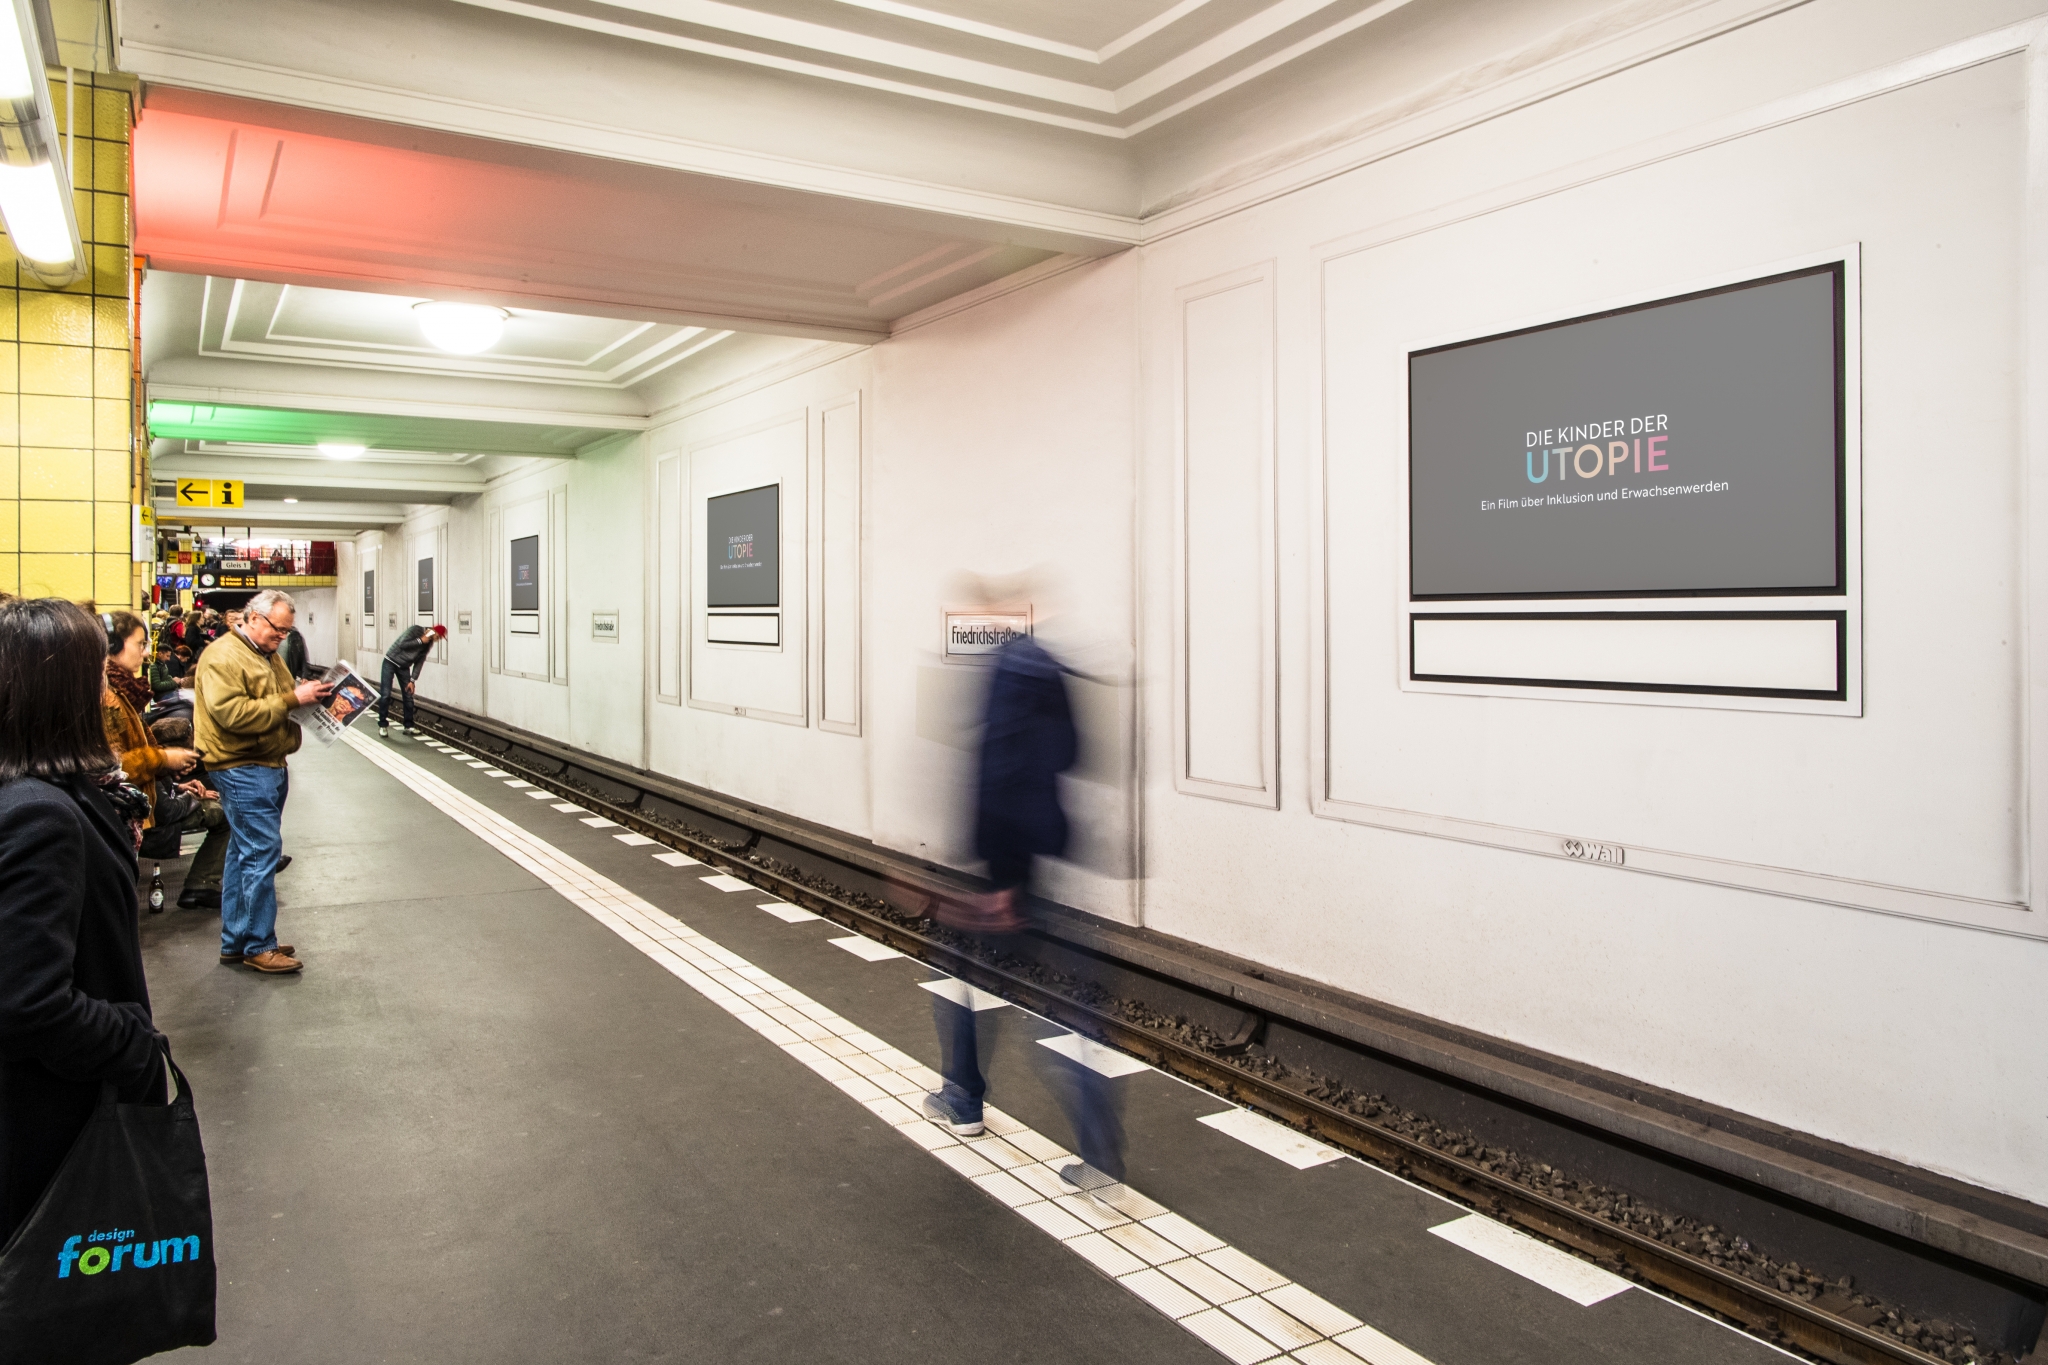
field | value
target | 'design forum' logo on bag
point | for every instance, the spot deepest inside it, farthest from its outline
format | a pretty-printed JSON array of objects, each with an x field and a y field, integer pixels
[{"x": 112, "y": 1248}]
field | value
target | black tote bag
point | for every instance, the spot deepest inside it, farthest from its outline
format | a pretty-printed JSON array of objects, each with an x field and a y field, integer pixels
[{"x": 116, "y": 1261}]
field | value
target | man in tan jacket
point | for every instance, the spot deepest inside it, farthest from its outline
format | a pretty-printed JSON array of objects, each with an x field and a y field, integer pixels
[{"x": 241, "y": 723}]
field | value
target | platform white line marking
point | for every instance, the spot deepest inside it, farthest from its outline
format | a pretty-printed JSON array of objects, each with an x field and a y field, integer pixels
[
  {"x": 677, "y": 860},
  {"x": 599, "y": 822},
  {"x": 632, "y": 840},
  {"x": 496, "y": 772},
  {"x": 722, "y": 882},
  {"x": 518, "y": 784},
  {"x": 1093, "y": 1055},
  {"x": 1275, "y": 1140},
  {"x": 960, "y": 993},
  {"x": 866, "y": 949},
  {"x": 475, "y": 763},
  {"x": 787, "y": 913},
  {"x": 1580, "y": 1281},
  {"x": 569, "y": 806},
  {"x": 890, "y": 1085},
  {"x": 540, "y": 796}
]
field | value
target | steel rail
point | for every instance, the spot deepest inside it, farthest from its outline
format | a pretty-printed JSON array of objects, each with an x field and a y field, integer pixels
[{"x": 1765, "y": 1311}]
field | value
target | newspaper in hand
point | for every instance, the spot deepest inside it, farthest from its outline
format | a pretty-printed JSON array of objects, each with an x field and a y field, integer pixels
[{"x": 349, "y": 699}]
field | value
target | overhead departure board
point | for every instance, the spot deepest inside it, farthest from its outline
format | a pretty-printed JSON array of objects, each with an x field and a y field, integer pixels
[
  {"x": 1690, "y": 446},
  {"x": 742, "y": 548}
]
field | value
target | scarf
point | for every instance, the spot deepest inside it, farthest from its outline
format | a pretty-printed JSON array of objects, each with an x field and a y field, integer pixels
[{"x": 129, "y": 688}]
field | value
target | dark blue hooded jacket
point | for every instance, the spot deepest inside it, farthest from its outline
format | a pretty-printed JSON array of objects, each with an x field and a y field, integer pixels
[{"x": 1027, "y": 741}]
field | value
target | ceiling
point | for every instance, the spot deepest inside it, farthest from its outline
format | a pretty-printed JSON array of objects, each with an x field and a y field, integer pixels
[
  {"x": 256, "y": 191},
  {"x": 303, "y": 324},
  {"x": 1113, "y": 69}
]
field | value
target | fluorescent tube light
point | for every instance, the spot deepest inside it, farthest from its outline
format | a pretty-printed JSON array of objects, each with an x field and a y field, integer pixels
[
  {"x": 341, "y": 450},
  {"x": 17, "y": 73},
  {"x": 35, "y": 189},
  {"x": 33, "y": 205}
]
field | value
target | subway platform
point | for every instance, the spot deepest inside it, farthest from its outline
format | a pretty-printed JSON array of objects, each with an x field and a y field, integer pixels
[{"x": 549, "y": 1092}]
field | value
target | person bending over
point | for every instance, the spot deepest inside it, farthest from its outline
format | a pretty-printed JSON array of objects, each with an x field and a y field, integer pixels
[
  {"x": 74, "y": 1007},
  {"x": 243, "y": 723},
  {"x": 402, "y": 665}
]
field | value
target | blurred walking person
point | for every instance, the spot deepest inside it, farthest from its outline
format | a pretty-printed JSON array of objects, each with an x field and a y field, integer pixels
[
  {"x": 243, "y": 723},
  {"x": 1027, "y": 741},
  {"x": 402, "y": 665}
]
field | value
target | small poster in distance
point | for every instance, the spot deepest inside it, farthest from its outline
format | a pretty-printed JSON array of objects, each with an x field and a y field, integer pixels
[{"x": 350, "y": 698}]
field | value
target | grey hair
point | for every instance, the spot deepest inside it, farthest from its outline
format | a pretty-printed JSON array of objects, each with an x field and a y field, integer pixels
[{"x": 262, "y": 602}]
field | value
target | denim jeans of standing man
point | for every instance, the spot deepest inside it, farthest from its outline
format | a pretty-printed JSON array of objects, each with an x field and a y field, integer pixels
[
  {"x": 394, "y": 677},
  {"x": 253, "y": 798}
]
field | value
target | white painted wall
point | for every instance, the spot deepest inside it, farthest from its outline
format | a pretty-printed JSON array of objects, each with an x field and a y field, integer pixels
[
  {"x": 319, "y": 621},
  {"x": 1840, "y": 944}
]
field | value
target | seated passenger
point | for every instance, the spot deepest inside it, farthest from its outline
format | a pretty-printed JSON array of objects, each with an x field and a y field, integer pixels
[
  {"x": 188, "y": 807},
  {"x": 127, "y": 697}
]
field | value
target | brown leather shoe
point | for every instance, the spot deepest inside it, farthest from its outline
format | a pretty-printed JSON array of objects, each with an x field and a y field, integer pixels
[
  {"x": 235, "y": 959},
  {"x": 276, "y": 962}
]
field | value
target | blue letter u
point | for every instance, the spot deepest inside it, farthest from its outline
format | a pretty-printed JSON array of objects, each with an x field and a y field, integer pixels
[{"x": 1530, "y": 461}]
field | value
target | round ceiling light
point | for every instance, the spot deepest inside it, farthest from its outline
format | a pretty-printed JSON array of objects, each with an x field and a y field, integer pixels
[
  {"x": 461, "y": 328},
  {"x": 340, "y": 450}
]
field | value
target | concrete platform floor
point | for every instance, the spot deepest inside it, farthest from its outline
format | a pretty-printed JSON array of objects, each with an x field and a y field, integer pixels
[{"x": 486, "y": 1126}]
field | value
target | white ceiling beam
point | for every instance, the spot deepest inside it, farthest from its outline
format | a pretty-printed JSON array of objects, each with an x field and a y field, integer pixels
[
  {"x": 392, "y": 407},
  {"x": 270, "y": 512},
  {"x": 432, "y": 482}
]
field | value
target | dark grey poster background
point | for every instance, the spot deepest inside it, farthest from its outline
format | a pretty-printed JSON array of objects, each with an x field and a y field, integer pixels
[
  {"x": 526, "y": 574},
  {"x": 369, "y": 592},
  {"x": 426, "y": 567},
  {"x": 732, "y": 524},
  {"x": 1749, "y": 380}
]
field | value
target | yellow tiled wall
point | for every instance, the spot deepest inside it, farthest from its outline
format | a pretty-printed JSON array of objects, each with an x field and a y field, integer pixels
[{"x": 68, "y": 462}]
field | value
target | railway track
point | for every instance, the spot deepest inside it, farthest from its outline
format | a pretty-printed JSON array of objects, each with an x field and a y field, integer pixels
[{"x": 1785, "y": 1319}]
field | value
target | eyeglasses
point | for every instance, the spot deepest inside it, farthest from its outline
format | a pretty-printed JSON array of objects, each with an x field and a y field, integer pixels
[{"x": 251, "y": 620}]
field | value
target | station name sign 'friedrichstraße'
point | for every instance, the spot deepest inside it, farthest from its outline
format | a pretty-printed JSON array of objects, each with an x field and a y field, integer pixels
[{"x": 1692, "y": 446}]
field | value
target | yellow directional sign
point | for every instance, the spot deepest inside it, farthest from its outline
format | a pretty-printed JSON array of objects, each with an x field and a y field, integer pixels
[{"x": 210, "y": 493}]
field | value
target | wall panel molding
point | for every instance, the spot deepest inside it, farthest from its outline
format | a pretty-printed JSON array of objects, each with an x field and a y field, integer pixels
[
  {"x": 2015, "y": 918},
  {"x": 1226, "y": 636},
  {"x": 671, "y": 588},
  {"x": 838, "y": 473}
]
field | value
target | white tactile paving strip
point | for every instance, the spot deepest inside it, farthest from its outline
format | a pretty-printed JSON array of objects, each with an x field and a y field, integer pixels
[{"x": 1247, "y": 1312}]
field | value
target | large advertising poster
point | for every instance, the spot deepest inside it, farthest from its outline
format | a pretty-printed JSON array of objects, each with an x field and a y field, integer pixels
[
  {"x": 742, "y": 538},
  {"x": 526, "y": 574},
  {"x": 1692, "y": 446}
]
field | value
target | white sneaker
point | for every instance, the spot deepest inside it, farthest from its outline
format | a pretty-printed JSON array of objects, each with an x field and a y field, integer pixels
[{"x": 383, "y": 732}]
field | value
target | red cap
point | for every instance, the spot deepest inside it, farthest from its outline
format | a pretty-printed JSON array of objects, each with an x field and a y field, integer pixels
[{"x": 441, "y": 631}]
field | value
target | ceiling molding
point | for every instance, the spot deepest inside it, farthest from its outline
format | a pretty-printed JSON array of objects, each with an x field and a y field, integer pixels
[
  {"x": 1625, "y": 35},
  {"x": 393, "y": 407},
  {"x": 1088, "y": 230},
  {"x": 253, "y": 320},
  {"x": 1002, "y": 86}
]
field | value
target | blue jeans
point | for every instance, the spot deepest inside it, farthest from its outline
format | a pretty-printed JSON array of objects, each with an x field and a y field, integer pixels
[
  {"x": 253, "y": 798},
  {"x": 394, "y": 677},
  {"x": 1085, "y": 1094}
]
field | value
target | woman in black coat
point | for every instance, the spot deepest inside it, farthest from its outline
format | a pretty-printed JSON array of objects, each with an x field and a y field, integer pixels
[{"x": 74, "y": 1009}]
